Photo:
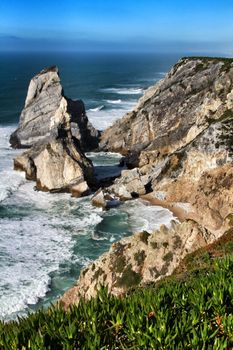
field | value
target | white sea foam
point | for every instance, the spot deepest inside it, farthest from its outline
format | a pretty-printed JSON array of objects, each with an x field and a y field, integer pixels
[
  {"x": 104, "y": 154},
  {"x": 10, "y": 182},
  {"x": 104, "y": 118},
  {"x": 97, "y": 109},
  {"x": 114, "y": 102},
  {"x": 5, "y": 133},
  {"x": 147, "y": 217},
  {"x": 35, "y": 240},
  {"x": 30, "y": 250},
  {"x": 10, "y": 179},
  {"x": 123, "y": 91}
]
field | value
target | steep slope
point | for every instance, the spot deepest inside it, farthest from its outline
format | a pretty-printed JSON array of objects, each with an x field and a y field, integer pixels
[
  {"x": 179, "y": 137},
  {"x": 139, "y": 260},
  {"x": 173, "y": 112}
]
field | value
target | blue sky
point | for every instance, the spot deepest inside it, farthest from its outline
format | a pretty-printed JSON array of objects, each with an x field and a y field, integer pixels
[{"x": 117, "y": 24}]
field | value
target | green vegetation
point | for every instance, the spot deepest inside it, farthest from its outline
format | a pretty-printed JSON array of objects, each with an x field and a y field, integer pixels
[
  {"x": 154, "y": 245},
  {"x": 129, "y": 278},
  {"x": 205, "y": 60},
  {"x": 200, "y": 67},
  {"x": 192, "y": 314},
  {"x": 119, "y": 264},
  {"x": 230, "y": 218},
  {"x": 144, "y": 235},
  {"x": 168, "y": 257},
  {"x": 193, "y": 309},
  {"x": 140, "y": 257},
  {"x": 227, "y": 116}
]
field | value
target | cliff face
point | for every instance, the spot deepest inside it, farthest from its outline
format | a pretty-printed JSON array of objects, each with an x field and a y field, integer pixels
[
  {"x": 180, "y": 131},
  {"x": 56, "y": 131},
  {"x": 44, "y": 97},
  {"x": 178, "y": 144},
  {"x": 177, "y": 109}
]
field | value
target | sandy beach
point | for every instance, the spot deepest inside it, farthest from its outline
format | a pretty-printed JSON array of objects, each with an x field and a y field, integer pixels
[{"x": 175, "y": 208}]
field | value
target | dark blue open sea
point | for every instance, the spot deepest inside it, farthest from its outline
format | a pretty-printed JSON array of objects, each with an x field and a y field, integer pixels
[{"x": 45, "y": 239}]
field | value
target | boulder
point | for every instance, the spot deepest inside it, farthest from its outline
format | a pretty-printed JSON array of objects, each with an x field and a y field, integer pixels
[
  {"x": 80, "y": 189},
  {"x": 56, "y": 166},
  {"x": 98, "y": 200},
  {"x": 102, "y": 198}
]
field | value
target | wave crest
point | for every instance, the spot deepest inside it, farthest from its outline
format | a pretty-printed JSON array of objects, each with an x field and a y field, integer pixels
[
  {"x": 123, "y": 91},
  {"x": 97, "y": 109}
]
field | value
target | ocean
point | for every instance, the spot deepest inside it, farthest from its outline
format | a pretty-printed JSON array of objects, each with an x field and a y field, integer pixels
[{"x": 45, "y": 239}]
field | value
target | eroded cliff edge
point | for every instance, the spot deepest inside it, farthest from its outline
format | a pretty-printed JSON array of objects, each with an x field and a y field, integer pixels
[
  {"x": 178, "y": 144},
  {"x": 179, "y": 140}
]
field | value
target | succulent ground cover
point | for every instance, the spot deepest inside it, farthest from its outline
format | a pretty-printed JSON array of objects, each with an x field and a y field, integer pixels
[{"x": 192, "y": 309}]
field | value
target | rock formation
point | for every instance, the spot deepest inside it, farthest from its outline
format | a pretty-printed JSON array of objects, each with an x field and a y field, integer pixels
[
  {"x": 177, "y": 109},
  {"x": 56, "y": 131},
  {"x": 43, "y": 100},
  {"x": 139, "y": 260},
  {"x": 180, "y": 130},
  {"x": 178, "y": 144}
]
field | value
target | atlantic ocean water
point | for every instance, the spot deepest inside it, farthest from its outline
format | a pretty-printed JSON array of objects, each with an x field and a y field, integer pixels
[{"x": 45, "y": 239}]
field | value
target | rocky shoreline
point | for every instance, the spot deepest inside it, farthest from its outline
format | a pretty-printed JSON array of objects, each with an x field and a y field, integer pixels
[{"x": 178, "y": 150}]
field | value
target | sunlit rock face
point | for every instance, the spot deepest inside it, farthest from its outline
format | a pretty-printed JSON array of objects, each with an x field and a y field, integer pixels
[
  {"x": 56, "y": 132},
  {"x": 180, "y": 131},
  {"x": 176, "y": 110},
  {"x": 38, "y": 117}
]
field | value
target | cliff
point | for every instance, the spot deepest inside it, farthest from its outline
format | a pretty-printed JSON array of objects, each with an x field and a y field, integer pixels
[
  {"x": 176, "y": 110},
  {"x": 178, "y": 146},
  {"x": 179, "y": 138}
]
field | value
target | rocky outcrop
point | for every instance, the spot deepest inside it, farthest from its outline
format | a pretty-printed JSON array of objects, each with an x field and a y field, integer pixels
[
  {"x": 177, "y": 109},
  {"x": 139, "y": 260},
  {"x": 180, "y": 130},
  {"x": 56, "y": 166},
  {"x": 42, "y": 103},
  {"x": 55, "y": 159},
  {"x": 211, "y": 197}
]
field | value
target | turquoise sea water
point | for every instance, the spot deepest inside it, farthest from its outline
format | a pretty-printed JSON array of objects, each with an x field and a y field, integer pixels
[{"x": 45, "y": 239}]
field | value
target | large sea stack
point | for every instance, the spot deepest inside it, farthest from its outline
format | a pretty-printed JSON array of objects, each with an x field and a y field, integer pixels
[
  {"x": 178, "y": 144},
  {"x": 44, "y": 97},
  {"x": 56, "y": 132}
]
